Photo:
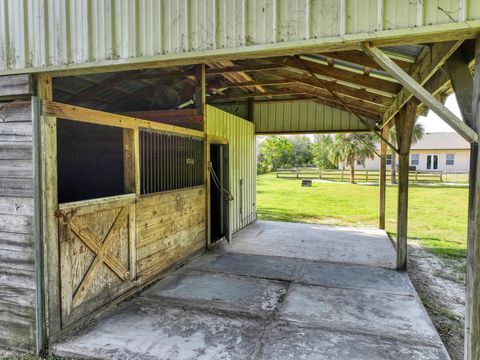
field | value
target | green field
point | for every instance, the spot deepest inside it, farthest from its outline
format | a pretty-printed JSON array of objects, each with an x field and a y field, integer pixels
[{"x": 437, "y": 214}]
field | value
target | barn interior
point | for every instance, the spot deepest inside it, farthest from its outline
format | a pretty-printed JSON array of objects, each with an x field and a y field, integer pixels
[{"x": 146, "y": 168}]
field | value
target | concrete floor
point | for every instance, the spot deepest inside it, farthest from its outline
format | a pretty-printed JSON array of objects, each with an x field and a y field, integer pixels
[{"x": 279, "y": 291}]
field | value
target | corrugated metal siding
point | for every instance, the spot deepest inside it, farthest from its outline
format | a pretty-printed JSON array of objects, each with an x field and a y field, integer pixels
[
  {"x": 39, "y": 33},
  {"x": 242, "y": 163},
  {"x": 302, "y": 116},
  {"x": 240, "y": 109}
]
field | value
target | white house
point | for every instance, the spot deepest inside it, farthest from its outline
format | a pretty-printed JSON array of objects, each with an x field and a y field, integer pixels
[{"x": 442, "y": 151}]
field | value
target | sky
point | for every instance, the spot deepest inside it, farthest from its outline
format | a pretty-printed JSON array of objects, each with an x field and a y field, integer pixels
[{"x": 432, "y": 123}]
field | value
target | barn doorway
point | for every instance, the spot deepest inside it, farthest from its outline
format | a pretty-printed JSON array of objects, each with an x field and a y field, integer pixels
[{"x": 219, "y": 192}]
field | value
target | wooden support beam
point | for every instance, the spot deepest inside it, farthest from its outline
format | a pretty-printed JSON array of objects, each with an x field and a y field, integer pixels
[
  {"x": 404, "y": 123},
  {"x": 472, "y": 299},
  {"x": 15, "y": 86},
  {"x": 429, "y": 61},
  {"x": 49, "y": 208},
  {"x": 462, "y": 82},
  {"x": 200, "y": 90},
  {"x": 382, "y": 180},
  {"x": 421, "y": 94},
  {"x": 77, "y": 113}
]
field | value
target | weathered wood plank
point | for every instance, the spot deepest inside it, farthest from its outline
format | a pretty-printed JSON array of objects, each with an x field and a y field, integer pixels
[
  {"x": 15, "y": 86},
  {"x": 16, "y": 242},
  {"x": 16, "y": 187},
  {"x": 16, "y": 132},
  {"x": 16, "y": 206},
  {"x": 17, "y": 111},
  {"x": 15, "y": 151},
  {"x": 16, "y": 168},
  {"x": 183, "y": 243},
  {"x": 170, "y": 227},
  {"x": 16, "y": 224}
]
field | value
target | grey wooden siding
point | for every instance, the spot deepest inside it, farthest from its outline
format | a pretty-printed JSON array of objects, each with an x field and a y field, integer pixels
[{"x": 17, "y": 265}]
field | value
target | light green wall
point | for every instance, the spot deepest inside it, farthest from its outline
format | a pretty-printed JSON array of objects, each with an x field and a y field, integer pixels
[{"x": 242, "y": 163}]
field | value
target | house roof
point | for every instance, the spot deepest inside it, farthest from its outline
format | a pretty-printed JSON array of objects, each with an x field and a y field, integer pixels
[{"x": 441, "y": 141}]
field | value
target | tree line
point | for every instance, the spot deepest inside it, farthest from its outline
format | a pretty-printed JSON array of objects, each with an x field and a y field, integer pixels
[{"x": 323, "y": 151}]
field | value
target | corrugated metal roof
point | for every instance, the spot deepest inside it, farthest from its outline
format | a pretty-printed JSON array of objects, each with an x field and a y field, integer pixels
[{"x": 35, "y": 34}]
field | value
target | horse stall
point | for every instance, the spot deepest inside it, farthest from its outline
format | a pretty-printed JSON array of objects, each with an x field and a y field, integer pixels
[{"x": 126, "y": 195}]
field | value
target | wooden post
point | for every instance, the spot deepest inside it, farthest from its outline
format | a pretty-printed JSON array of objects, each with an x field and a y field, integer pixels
[
  {"x": 472, "y": 300},
  {"x": 463, "y": 85},
  {"x": 404, "y": 122},
  {"x": 50, "y": 205},
  {"x": 200, "y": 104},
  {"x": 382, "y": 181}
]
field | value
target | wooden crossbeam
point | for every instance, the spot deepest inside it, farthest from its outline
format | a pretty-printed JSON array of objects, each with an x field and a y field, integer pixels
[
  {"x": 420, "y": 93},
  {"x": 100, "y": 256},
  {"x": 77, "y": 113},
  {"x": 429, "y": 61}
]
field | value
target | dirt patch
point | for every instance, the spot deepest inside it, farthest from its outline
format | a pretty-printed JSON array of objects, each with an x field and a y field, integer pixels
[{"x": 441, "y": 286}]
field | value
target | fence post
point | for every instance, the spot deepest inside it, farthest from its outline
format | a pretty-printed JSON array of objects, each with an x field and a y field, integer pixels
[
  {"x": 277, "y": 173},
  {"x": 441, "y": 176},
  {"x": 297, "y": 172},
  {"x": 416, "y": 175},
  {"x": 342, "y": 176},
  {"x": 366, "y": 175},
  {"x": 319, "y": 173}
]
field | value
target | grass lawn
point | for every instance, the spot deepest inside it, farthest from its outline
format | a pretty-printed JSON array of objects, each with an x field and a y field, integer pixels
[{"x": 437, "y": 214}]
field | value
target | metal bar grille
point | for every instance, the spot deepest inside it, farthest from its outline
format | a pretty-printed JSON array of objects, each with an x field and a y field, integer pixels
[{"x": 169, "y": 162}]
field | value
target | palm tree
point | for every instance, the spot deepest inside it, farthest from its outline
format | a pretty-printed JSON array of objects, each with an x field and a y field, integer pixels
[
  {"x": 351, "y": 148},
  {"x": 418, "y": 133}
]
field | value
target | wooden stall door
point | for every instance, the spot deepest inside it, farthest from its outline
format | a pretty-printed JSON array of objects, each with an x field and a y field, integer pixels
[{"x": 97, "y": 260}]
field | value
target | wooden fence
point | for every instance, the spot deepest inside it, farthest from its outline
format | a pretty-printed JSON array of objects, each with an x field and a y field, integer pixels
[{"x": 370, "y": 175}]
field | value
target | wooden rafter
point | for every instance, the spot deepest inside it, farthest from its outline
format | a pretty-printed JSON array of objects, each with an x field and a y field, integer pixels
[
  {"x": 356, "y": 80},
  {"x": 254, "y": 95},
  {"x": 421, "y": 94},
  {"x": 429, "y": 61},
  {"x": 359, "y": 58}
]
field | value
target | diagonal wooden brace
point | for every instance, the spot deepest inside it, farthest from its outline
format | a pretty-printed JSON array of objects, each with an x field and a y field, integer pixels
[
  {"x": 100, "y": 256},
  {"x": 420, "y": 93}
]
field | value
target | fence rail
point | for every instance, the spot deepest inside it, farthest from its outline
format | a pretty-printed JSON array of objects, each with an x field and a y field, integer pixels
[{"x": 370, "y": 175}]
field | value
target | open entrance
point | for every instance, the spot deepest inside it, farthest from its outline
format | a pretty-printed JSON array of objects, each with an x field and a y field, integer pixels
[{"x": 219, "y": 192}]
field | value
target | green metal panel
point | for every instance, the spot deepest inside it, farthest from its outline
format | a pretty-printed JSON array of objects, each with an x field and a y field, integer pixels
[
  {"x": 283, "y": 117},
  {"x": 242, "y": 163},
  {"x": 75, "y": 34}
]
